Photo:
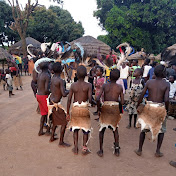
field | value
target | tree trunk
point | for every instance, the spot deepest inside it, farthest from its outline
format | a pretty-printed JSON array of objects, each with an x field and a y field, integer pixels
[{"x": 24, "y": 45}]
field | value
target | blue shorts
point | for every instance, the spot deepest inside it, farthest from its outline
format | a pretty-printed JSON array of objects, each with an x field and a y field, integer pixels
[{"x": 125, "y": 83}]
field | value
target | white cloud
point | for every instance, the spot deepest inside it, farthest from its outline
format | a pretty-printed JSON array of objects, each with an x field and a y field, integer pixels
[{"x": 81, "y": 10}]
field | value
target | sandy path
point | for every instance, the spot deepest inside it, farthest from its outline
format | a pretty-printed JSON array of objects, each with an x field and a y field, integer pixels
[{"x": 23, "y": 153}]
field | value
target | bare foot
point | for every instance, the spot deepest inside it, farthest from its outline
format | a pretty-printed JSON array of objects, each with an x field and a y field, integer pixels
[
  {"x": 85, "y": 151},
  {"x": 159, "y": 154},
  {"x": 63, "y": 144},
  {"x": 75, "y": 151},
  {"x": 100, "y": 153},
  {"x": 53, "y": 139},
  {"x": 172, "y": 163},
  {"x": 117, "y": 152},
  {"x": 139, "y": 153},
  {"x": 41, "y": 133},
  {"x": 128, "y": 127}
]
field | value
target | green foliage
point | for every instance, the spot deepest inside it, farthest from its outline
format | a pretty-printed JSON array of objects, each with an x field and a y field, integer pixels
[
  {"x": 5, "y": 20},
  {"x": 148, "y": 24},
  {"x": 53, "y": 24}
]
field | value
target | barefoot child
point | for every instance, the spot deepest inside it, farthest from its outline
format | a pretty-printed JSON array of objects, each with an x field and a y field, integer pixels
[
  {"x": 9, "y": 82},
  {"x": 80, "y": 117},
  {"x": 98, "y": 83},
  {"x": 110, "y": 114},
  {"x": 54, "y": 105},
  {"x": 42, "y": 94},
  {"x": 136, "y": 87},
  {"x": 158, "y": 90}
]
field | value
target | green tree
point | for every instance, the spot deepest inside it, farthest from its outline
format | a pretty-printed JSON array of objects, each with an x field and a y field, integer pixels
[
  {"x": 6, "y": 34},
  {"x": 148, "y": 24},
  {"x": 53, "y": 24}
]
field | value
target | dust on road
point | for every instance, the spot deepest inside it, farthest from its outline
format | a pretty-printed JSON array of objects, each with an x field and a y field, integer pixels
[{"x": 23, "y": 152}]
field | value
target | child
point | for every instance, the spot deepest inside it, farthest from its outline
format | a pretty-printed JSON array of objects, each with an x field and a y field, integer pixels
[
  {"x": 9, "y": 82},
  {"x": 43, "y": 82},
  {"x": 158, "y": 90},
  {"x": 172, "y": 87},
  {"x": 98, "y": 83},
  {"x": 110, "y": 115},
  {"x": 80, "y": 117},
  {"x": 136, "y": 87},
  {"x": 54, "y": 103}
]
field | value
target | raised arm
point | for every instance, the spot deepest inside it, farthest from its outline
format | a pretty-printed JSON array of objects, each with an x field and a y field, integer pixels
[
  {"x": 63, "y": 91},
  {"x": 166, "y": 97}
]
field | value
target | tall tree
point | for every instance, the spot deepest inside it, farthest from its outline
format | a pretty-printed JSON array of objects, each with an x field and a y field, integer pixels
[
  {"x": 143, "y": 23},
  {"x": 53, "y": 24},
  {"x": 21, "y": 18},
  {"x": 6, "y": 34}
]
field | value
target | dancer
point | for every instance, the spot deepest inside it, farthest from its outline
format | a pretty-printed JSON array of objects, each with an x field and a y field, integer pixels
[
  {"x": 155, "y": 110},
  {"x": 80, "y": 117},
  {"x": 110, "y": 114},
  {"x": 9, "y": 82},
  {"x": 43, "y": 82},
  {"x": 136, "y": 87},
  {"x": 54, "y": 104}
]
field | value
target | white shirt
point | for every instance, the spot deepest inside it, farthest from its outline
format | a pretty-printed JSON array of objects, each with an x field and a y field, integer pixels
[
  {"x": 146, "y": 70},
  {"x": 172, "y": 90},
  {"x": 9, "y": 79},
  {"x": 124, "y": 72}
]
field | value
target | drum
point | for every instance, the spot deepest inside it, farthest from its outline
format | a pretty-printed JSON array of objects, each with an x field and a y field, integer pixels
[{"x": 172, "y": 108}]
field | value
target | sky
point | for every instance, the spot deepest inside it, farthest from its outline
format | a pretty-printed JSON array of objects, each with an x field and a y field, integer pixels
[{"x": 81, "y": 10}]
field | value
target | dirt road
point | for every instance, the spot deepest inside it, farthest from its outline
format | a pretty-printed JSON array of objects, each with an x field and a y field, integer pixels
[{"x": 23, "y": 153}]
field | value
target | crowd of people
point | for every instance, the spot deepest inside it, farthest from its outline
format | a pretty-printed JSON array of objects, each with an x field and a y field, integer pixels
[
  {"x": 150, "y": 86},
  {"x": 112, "y": 90}
]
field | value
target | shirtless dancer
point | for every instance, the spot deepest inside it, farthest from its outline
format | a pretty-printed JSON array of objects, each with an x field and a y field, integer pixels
[
  {"x": 158, "y": 90},
  {"x": 57, "y": 92},
  {"x": 80, "y": 117},
  {"x": 110, "y": 110},
  {"x": 43, "y": 83}
]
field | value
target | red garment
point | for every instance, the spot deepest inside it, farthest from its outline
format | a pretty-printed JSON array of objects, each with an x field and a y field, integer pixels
[
  {"x": 113, "y": 56},
  {"x": 13, "y": 69},
  {"x": 42, "y": 104},
  {"x": 98, "y": 83}
]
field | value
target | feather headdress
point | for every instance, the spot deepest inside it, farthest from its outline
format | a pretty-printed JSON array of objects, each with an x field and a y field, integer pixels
[{"x": 38, "y": 62}]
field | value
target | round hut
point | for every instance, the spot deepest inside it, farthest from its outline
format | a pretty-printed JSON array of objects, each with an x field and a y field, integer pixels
[
  {"x": 16, "y": 49},
  {"x": 4, "y": 57}
]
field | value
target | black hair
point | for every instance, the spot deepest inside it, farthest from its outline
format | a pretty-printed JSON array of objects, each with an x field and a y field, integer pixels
[
  {"x": 160, "y": 71},
  {"x": 101, "y": 69},
  {"x": 139, "y": 70},
  {"x": 81, "y": 71},
  {"x": 57, "y": 67},
  {"x": 7, "y": 71},
  {"x": 154, "y": 64},
  {"x": 114, "y": 75},
  {"x": 43, "y": 66},
  {"x": 147, "y": 60},
  {"x": 174, "y": 76},
  {"x": 135, "y": 60}
]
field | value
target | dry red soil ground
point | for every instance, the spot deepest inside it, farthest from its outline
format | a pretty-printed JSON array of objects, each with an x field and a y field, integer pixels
[{"x": 23, "y": 152}]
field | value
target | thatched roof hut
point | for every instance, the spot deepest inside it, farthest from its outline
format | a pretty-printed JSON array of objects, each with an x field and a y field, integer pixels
[
  {"x": 17, "y": 47},
  {"x": 92, "y": 45},
  {"x": 4, "y": 55},
  {"x": 169, "y": 54}
]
